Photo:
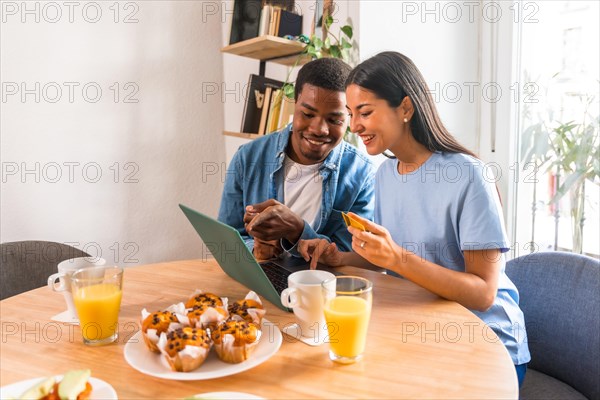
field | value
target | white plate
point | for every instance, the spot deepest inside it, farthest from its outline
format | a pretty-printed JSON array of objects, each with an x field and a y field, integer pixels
[
  {"x": 100, "y": 389},
  {"x": 153, "y": 364},
  {"x": 227, "y": 396}
]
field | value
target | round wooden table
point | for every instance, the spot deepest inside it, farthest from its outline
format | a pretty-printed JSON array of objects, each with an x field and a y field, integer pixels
[{"x": 419, "y": 345}]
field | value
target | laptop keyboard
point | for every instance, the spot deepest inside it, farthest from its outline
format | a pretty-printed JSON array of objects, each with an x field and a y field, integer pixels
[{"x": 277, "y": 275}]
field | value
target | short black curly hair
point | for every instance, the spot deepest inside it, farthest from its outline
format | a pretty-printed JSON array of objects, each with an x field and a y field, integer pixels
[{"x": 326, "y": 73}]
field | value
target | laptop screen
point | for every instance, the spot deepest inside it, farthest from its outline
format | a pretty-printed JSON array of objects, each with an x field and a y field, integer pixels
[{"x": 232, "y": 254}]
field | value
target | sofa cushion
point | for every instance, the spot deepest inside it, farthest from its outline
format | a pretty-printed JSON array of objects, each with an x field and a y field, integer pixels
[{"x": 543, "y": 387}]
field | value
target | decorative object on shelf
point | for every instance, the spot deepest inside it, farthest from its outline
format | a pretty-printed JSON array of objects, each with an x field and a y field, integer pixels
[
  {"x": 246, "y": 20},
  {"x": 303, "y": 38}
]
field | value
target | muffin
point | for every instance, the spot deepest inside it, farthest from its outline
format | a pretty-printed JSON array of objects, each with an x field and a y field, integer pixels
[
  {"x": 204, "y": 299},
  {"x": 202, "y": 316},
  {"x": 235, "y": 340},
  {"x": 249, "y": 310},
  {"x": 185, "y": 349},
  {"x": 156, "y": 323},
  {"x": 204, "y": 310}
]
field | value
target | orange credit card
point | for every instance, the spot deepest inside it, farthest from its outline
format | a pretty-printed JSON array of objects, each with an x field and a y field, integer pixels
[{"x": 353, "y": 222}]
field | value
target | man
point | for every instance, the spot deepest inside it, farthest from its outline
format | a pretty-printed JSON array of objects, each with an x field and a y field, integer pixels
[{"x": 293, "y": 184}]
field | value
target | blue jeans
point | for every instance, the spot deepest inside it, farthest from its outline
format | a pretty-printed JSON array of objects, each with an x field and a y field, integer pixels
[{"x": 521, "y": 370}]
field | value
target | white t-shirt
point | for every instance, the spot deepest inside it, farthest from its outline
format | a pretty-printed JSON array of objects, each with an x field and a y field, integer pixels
[{"x": 303, "y": 189}]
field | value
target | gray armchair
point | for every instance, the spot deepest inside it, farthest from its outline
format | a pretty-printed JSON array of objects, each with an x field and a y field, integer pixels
[
  {"x": 560, "y": 298},
  {"x": 27, "y": 265}
]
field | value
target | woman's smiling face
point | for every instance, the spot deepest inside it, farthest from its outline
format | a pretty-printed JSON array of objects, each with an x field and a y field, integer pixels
[{"x": 379, "y": 126}]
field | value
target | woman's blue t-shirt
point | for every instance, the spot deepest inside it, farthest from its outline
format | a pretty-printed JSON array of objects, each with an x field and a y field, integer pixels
[{"x": 448, "y": 205}]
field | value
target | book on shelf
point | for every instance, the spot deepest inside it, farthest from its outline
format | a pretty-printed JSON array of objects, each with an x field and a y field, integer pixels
[
  {"x": 265, "y": 110},
  {"x": 289, "y": 24},
  {"x": 256, "y": 102},
  {"x": 274, "y": 23},
  {"x": 281, "y": 111},
  {"x": 274, "y": 111},
  {"x": 282, "y": 22},
  {"x": 287, "y": 112},
  {"x": 265, "y": 20},
  {"x": 288, "y": 5},
  {"x": 246, "y": 20}
]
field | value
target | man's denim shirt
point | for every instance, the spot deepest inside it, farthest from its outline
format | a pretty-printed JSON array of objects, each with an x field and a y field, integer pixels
[{"x": 255, "y": 174}]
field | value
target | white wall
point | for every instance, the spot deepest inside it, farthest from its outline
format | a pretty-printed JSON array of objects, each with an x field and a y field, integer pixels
[
  {"x": 451, "y": 44},
  {"x": 442, "y": 45},
  {"x": 157, "y": 145}
]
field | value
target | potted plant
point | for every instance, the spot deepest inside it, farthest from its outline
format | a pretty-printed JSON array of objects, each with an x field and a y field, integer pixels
[{"x": 569, "y": 151}]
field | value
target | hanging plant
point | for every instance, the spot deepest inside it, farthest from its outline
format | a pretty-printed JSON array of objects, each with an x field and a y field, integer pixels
[
  {"x": 339, "y": 46},
  {"x": 333, "y": 46}
]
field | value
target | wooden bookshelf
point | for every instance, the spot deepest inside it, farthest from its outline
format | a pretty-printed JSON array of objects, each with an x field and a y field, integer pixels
[
  {"x": 242, "y": 135},
  {"x": 268, "y": 48}
]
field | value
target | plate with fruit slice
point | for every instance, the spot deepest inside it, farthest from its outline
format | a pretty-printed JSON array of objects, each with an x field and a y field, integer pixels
[{"x": 76, "y": 383}]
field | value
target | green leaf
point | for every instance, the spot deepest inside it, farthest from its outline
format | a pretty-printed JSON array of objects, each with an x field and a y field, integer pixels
[
  {"x": 347, "y": 29},
  {"x": 327, "y": 43},
  {"x": 535, "y": 144},
  {"x": 328, "y": 21},
  {"x": 288, "y": 90},
  {"x": 346, "y": 55},
  {"x": 346, "y": 44},
  {"x": 569, "y": 183},
  {"x": 318, "y": 44},
  {"x": 335, "y": 51}
]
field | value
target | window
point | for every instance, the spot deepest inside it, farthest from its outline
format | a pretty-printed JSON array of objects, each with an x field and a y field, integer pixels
[{"x": 558, "y": 186}]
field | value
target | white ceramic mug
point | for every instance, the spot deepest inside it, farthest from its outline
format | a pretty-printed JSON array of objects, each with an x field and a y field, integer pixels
[
  {"x": 61, "y": 281},
  {"x": 305, "y": 296}
]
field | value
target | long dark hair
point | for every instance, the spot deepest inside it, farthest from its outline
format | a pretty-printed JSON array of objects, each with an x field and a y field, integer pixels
[{"x": 392, "y": 76}]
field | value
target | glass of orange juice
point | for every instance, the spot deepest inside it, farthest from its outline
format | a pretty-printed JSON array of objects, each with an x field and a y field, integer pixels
[
  {"x": 347, "y": 308},
  {"x": 97, "y": 295}
]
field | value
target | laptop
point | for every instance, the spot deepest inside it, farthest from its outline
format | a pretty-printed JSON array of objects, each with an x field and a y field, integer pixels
[{"x": 267, "y": 278}]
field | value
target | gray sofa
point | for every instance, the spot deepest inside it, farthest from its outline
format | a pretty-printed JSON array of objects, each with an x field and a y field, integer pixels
[{"x": 560, "y": 297}]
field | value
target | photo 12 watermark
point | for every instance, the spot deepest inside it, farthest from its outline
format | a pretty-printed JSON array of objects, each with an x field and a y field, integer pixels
[
  {"x": 57, "y": 172},
  {"x": 468, "y": 11},
  {"x": 54, "y": 332},
  {"x": 55, "y": 12},
  {"x": 488, "y": 92},
  {"x": 40, "y": 252},
  {"x": 69, "y": 92},
  {"x": 222, "y": 10}
]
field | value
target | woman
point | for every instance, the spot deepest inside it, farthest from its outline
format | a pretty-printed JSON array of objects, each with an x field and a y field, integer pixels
[{"x": 438, "y": 221}]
